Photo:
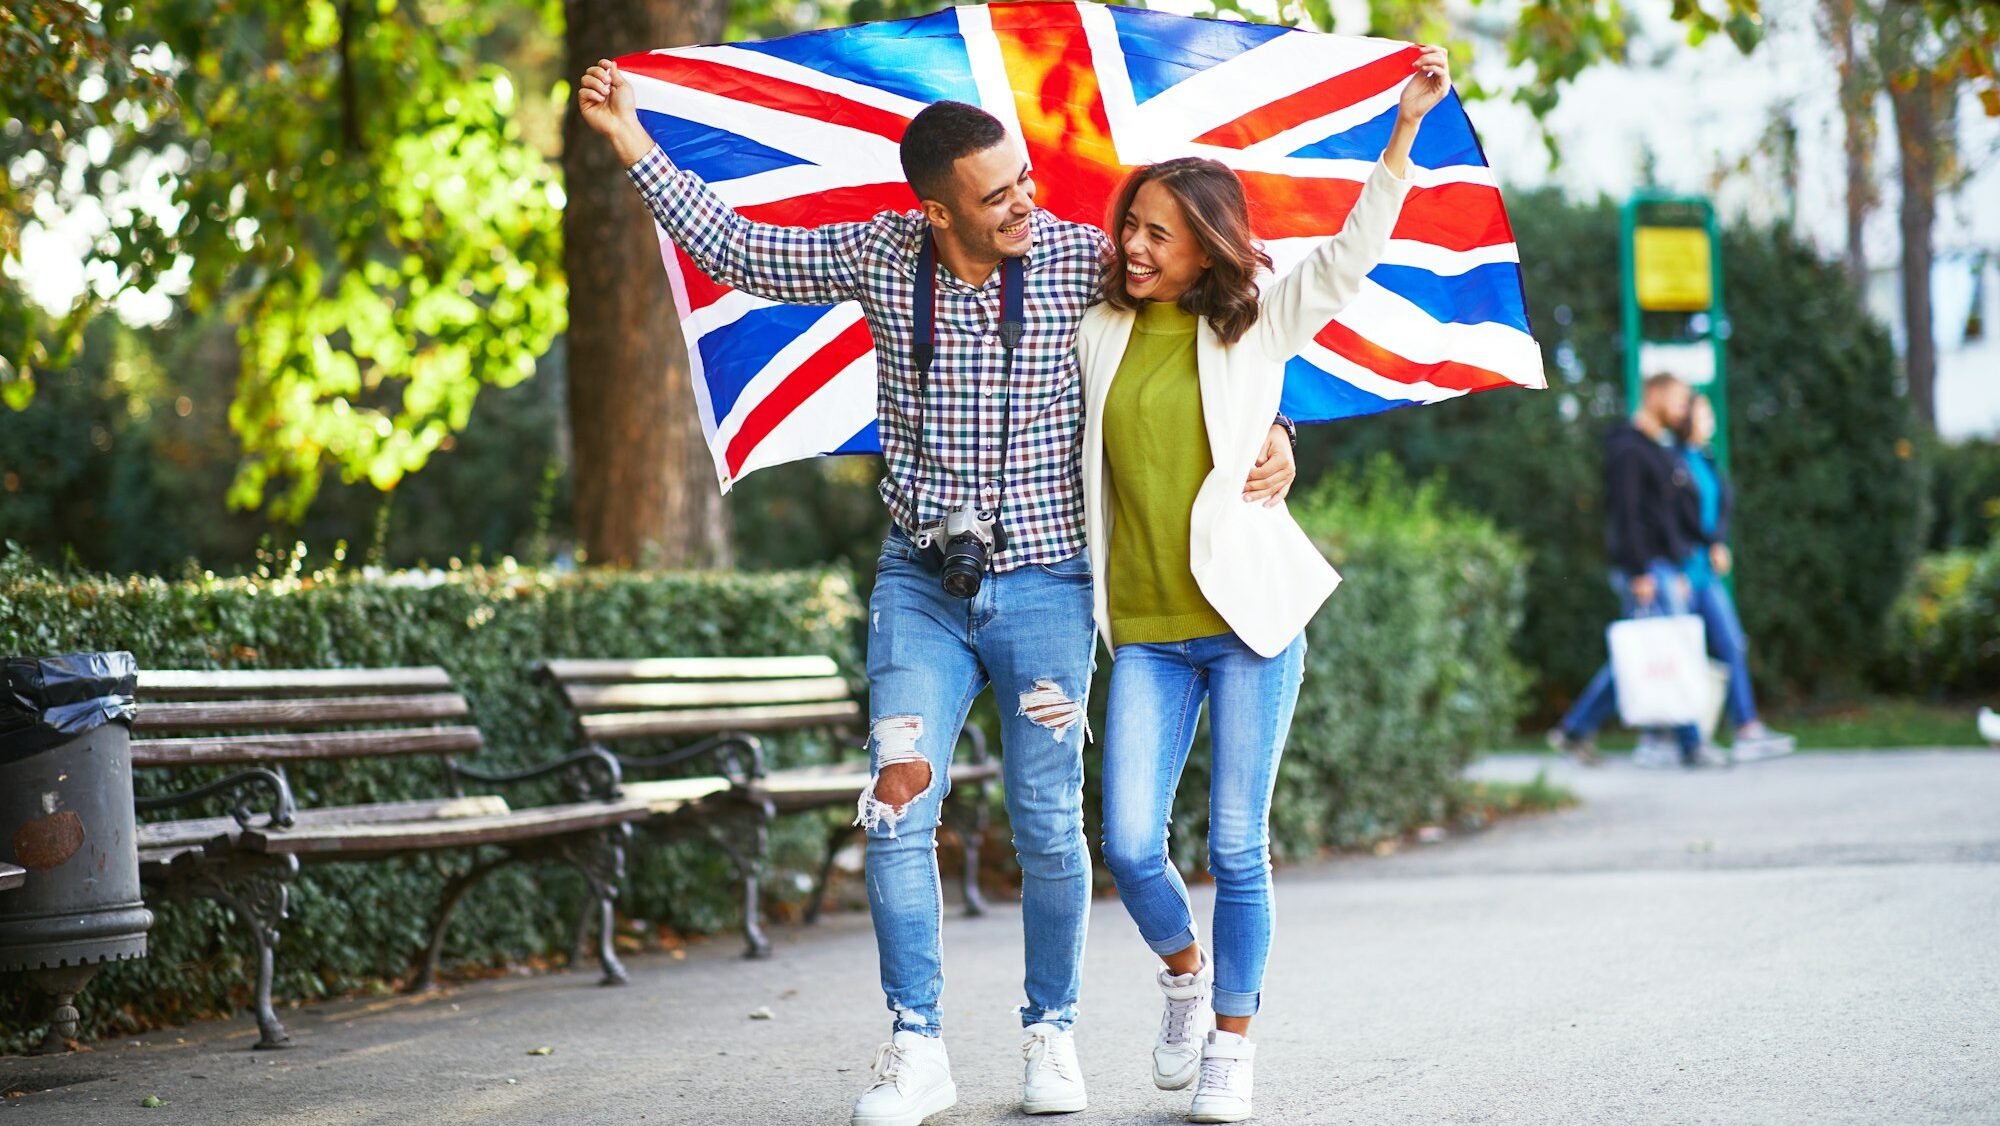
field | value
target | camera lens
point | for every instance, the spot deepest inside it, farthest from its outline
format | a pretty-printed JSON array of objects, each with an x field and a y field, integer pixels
[{"x": 964, "y": 566}]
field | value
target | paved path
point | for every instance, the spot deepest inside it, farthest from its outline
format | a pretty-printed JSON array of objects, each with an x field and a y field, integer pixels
[{"x": 1810, "y": 940}]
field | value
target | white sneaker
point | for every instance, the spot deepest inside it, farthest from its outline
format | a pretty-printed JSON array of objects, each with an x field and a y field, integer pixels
[
  {"x": 1766, "y": 744},
  {"x": 1051, "y": 1081},
  {"x": 1656, "y": 752},
  {"x": 1223, "y": 1094},
  {"x": 912, "y": 1082},
  {"x": 1188, "y": 1018}
]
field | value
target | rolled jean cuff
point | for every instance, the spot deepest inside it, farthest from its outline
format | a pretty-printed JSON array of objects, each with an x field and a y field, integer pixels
[
  {"x": 1173, "y": 944},
  {"x": 1229, "y": 1004},
  {"x": 1062, "y": 1018},
  {"x": 924, "y": 1023}
]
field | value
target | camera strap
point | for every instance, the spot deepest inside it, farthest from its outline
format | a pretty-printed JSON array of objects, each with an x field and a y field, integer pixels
[{"x": 923, "y": 347}]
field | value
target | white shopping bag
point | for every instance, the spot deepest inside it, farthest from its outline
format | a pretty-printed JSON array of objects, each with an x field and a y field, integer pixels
[
  {"x": 1718, "y": 695},
  {"x": 1660, "y": 665}
]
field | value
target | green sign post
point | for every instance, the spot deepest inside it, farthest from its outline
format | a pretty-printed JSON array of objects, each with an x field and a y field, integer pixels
[{"x": 1670, "y": 285}]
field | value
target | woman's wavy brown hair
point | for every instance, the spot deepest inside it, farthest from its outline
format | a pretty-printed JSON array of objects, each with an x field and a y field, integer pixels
[{"x": 1212, "y": 202}]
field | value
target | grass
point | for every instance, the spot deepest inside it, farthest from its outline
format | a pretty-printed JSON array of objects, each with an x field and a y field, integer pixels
[
  {"x": 1472, "y": 803},
  {"x": 1844, "y": 725}
]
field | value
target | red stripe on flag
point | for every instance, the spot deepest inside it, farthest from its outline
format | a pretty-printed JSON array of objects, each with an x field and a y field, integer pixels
[
  {"x": 763, "y": 90},
  {"x": 1313, "y": 102},
  {"x": 856, "y": 204},
  {"x": 1345, "y": 342},
  {"x": 804, "y": 380},
  {"x": 1451, "y": 216},
  {"x": 702, "y": 290}
]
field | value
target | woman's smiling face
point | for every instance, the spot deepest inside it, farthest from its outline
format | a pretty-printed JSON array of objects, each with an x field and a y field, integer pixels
[{"x": 1162, "y": 255}]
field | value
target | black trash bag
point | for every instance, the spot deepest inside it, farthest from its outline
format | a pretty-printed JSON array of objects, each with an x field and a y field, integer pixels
[{"x": 47, "y": 701}]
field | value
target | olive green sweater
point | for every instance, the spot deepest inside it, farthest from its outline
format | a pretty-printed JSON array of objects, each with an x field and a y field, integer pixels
[{"x": 1156, "y": 452}]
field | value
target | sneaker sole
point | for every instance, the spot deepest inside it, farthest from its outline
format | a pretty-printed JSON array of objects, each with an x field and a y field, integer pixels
[
  {"x": 938, "y": 1101},
  {"x": 1220, "y": 1116},
  {"x": 1179, "y": 1080},
  {"x": 1068, "y": 1105}
]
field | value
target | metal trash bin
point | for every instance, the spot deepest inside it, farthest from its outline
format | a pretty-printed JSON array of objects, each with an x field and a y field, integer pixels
[{"x": 66, "y": 815}]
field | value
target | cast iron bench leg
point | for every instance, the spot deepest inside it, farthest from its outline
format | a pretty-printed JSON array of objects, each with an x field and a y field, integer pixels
[
  {"x": 260, "y": 901},
  {"x": 750, "y": 869},
  {"x": 454, "y": 891},
  {"x": 833, "y": 840}
]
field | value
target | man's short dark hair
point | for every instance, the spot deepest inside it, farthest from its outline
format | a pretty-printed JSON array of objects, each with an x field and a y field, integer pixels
[
  {"x": 938, "y": 136},
  {"x": 1658, "y": 380}
]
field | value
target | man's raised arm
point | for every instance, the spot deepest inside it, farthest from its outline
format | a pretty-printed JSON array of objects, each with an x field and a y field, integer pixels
[{"x": 800, "y": 265}]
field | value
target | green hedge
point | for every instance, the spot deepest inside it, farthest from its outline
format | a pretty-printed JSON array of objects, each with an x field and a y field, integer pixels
[
  {"x": 1827, "y": 454},
  {"x": 1409, "y": 677},
  {"x": 1944, "y": 632},
  {"x": 1409, "y": 670},
  {"x": 353, "y": 926}
]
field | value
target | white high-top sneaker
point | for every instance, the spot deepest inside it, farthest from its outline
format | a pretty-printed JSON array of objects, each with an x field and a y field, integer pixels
[
  {"x": 1051, "y": 1082},
  {"x": 1223, "y": 1095},
  {"x": 912, "y": 1082},
  {"x": 1188, "y": 1018}
]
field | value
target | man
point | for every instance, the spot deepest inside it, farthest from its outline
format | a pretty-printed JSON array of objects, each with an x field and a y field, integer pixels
[
  {"x": 990, "y": 426},
  {"x": 1643, "y": 478}
]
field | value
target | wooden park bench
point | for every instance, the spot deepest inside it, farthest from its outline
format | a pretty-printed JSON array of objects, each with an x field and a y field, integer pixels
[
  {"x": 723, "y": 704},
  {"x": 262, "y": 721}
]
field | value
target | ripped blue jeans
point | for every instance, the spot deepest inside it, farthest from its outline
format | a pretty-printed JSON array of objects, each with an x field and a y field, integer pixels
[{"x": 1028, "y": 633}]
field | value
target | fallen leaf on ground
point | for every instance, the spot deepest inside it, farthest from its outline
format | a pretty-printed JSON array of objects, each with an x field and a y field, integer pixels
[
  {"x": 542, "y": 1051},
  {"x": 152, "y": 1101},
  {"x": 761, "y": 1012}
]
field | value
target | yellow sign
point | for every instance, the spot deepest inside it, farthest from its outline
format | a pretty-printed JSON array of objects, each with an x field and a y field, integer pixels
[{"x": 1670, "y": 267}]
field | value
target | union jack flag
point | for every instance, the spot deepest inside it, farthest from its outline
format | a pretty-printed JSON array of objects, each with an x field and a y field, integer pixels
[{"x": 803, "y": 131}]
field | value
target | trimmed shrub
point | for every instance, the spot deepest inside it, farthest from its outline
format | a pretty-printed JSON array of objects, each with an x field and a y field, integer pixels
[
  {"x": 1823, "y": 440},
  {"x": 354, "y": 925},
  {"x": 1944, "y": 632},
  {"x": 1409, "y": 670}
]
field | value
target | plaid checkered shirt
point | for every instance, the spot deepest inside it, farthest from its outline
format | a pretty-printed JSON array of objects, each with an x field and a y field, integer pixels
[{"x": 965, "y": 415}]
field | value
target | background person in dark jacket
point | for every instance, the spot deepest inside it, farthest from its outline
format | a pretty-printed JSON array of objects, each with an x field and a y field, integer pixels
[
  {"x": 1704, "y": 509},
  {"x": 1644, "y": 476}
]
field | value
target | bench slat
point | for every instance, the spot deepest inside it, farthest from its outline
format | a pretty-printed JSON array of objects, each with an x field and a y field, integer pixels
[
  {"x": 168, "y": 834},
  {"x": 623, "y": 697},
  {"x": 692, "y": 668},
  {"x": 707, "y": 721},
  {"x": 811, "y": 787},
  {"x": 671, "y": 794},
  {"x": 312, "y": 712},
  {"x": 222, "y": 683},
  {"x": 305, "y": 745},
  {"x": 366, "y": 839}
]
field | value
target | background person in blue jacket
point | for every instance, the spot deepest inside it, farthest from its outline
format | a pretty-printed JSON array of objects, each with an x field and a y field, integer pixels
[{"x": 1705, "y": 506}]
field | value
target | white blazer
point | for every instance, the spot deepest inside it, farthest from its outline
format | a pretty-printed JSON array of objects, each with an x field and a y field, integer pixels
[{"x": 1255, "y": 565}]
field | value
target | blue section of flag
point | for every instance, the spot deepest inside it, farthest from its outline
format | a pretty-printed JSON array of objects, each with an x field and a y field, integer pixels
[
  {"x": 922, "y": 59},
  {"x": 868, "y": 441},
  {"x": 713, "y": 154},
  {"x": 1312, "y": 395},
  {"x": 1489, "y": 294},
  {"x": 1163, "y": 50},
  {"x": 732, "y": 355},
  {"x": 1445, "y": 140}
]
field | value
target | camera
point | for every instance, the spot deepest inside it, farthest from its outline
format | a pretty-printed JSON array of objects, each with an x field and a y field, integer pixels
[{"x": 965, "y": 539}]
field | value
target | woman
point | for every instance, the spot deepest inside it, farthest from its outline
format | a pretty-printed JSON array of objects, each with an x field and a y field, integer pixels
[
  {"x": 1706, "y": 506},
  {"x": 1200, "y": 594}
]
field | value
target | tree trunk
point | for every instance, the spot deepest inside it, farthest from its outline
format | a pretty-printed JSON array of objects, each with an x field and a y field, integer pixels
[
  {"x": 1857, "y": 101},
  {"x": 645, "y": 485},
  {"x": 1913, "y": 98}
]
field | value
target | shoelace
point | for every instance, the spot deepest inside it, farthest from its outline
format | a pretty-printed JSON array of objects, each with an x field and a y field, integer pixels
[
  {"x": 1216, "y": 1072},
  {"x": 1180, "y": 1013},
  {"x": 889, "y": 1061},
  {"x": 1036, "y": 1050}
]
